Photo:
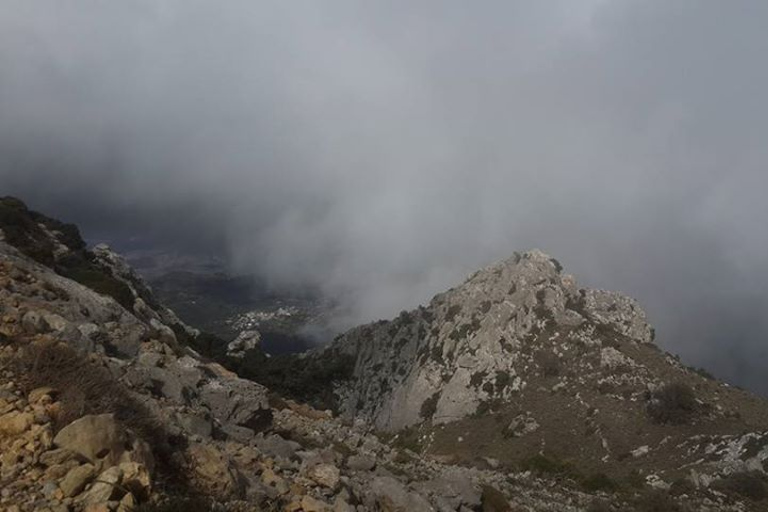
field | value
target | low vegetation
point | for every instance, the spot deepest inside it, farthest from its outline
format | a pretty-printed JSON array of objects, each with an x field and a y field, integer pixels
[
  {"x": 306, "y": 379},
  {"x": 654, "y": 500},
  {"x": 85, "y": 387},
  {"x": 673, "y": 404},
  {"x": 749, "y": 484}
]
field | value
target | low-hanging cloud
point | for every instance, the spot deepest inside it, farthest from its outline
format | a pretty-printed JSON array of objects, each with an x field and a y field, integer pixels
[{"x": 380, "y": 151}]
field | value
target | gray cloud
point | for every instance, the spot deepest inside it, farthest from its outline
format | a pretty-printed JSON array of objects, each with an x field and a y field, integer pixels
[{"x": 383, "y": 150}]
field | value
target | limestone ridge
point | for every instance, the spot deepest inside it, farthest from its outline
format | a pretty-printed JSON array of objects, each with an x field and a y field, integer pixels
[{"x": 468, "y": 347}]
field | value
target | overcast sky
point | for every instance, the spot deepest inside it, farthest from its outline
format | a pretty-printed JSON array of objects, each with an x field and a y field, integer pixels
[{"x": 383, "y": 150}]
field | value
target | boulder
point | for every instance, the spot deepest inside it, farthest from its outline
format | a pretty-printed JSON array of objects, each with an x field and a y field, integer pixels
[
  {"x": 361, "y": 463},
  {"x": 389, "y": 495},
  {"x": 15, "y": 423},
  {"x": 102, "y": 440},
  {"x": 238, "y": 402},
  {"x": 326, "y": 475}
]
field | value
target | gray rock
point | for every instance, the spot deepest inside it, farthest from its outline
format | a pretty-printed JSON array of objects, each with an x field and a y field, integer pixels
[
  {"x": 245, "y": 341},
  {"x": 361, "y": 463},
  {"x": 195, "y": 425},
  {"x": 33, "y": 323},
  {"x": 387, "y": 493},
  {"x": 238, "y": 402},
  {"x": 275, "y": 446}
]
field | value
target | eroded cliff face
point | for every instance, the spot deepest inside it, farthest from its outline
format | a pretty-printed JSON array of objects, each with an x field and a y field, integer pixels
[{"x": 475, "y": 344}]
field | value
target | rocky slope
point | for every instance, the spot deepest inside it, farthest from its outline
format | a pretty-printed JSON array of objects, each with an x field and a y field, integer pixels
[
  {"x": 521, "y": 366},
  {"x": 104, "y": 405}
]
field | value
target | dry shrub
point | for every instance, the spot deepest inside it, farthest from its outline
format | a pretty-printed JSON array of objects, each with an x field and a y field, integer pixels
[
  {"x": 83, "y": 386},
  {"x": 86, "y": 387}
]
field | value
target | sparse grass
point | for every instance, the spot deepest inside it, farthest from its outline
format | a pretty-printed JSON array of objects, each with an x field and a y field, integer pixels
[
  {"x": 408, "y": 439},
  {"x": 749, "y": 484},
  {"x": 673, "y": 404},
  {"x": 550, "y": 364},
  {"x": 599, "y": 506},
  {"x": 543, "y": 465},
  {"x": 701, "y": 371},
  {"x": 654, "y": 500}
]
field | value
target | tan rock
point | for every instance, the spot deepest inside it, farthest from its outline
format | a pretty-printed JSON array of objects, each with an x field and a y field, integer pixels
[
  {"x": 57, "y": 456},
  {"x": 101, "y": 439},
  {"x": 127, "y": 504},
  {"x": 215, "y": 470},
  {"x": 97, "y": 507},
  {"x": 104, "y": 487},
  {"x": 310, "y": 504},
  {"x": 41, "y": 395},
  {"x": 76, "y": 480},
  {"x": 15, "y": 423},
  {"x": 326, "y": 475},
  {"x": 91, "y": 436},
  {"x": 341, "y": 505},
  {"x": 58, "y": 471},
  {"x": 293, "y": 506},
  {"x": 136, "y": 479}
]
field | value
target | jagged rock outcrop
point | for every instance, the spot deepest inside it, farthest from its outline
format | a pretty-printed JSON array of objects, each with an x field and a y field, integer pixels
[
  {"x": 470, "y": 345},
  {"x": 519, "y": 360}
]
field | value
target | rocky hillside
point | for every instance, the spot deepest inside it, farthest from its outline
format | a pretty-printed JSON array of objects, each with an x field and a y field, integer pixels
[
  {"x": 521, "y": 367},
  {"x": 106, "y": 406}
]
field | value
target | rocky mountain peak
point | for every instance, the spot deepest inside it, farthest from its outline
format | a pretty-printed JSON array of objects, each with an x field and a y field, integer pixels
[
  {"x": 516, "y": 390},
  {"x": 478, "y": 343}
]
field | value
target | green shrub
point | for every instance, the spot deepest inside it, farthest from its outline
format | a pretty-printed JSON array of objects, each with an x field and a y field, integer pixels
[
  {"x": 599, "y": 482},
  {"x": 673, "y": 404},
  {"x": 305, "y": 379},
  {"x": 102, "y": 283},
  {"x": 550, "y": 365},
  {"x": 429, "y": 407}
]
